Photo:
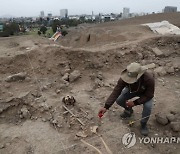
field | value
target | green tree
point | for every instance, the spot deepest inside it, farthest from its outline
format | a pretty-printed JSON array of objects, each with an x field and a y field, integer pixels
[
  {"x": 55, "y": 24},
  {"x": 43, "y": 29},
  {"x": 10, "y": 29}
]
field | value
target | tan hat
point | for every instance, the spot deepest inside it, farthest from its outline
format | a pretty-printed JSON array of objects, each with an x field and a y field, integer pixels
[{"x": 133, "y": 72}]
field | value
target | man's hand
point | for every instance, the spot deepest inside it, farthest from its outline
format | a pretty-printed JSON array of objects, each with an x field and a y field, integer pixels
[
  {"x": 101, "y": 112},
  {"x": 130, "y": 104}
]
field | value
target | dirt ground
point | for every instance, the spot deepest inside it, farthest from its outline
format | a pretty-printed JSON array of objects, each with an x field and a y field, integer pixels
[{"x": 85, "y": 64}]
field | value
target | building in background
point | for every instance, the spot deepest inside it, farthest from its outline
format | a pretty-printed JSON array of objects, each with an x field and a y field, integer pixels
[
  {"x": 170, "y": 9},
  {"x": 49, "y": 15},
  {"x": 64, "y": 13},
  {"x": 125, "y": 13},
  {"x": 42, "y": 14},
  {"x": 1, "y": 27}
]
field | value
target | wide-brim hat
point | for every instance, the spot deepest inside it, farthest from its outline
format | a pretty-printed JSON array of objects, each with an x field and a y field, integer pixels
[{"x": 133, "y": 72}]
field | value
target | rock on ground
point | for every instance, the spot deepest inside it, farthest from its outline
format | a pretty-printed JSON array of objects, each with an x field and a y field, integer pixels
[
  {"x": 157, "y": 52},
  {"x": 25, "y": 113},
  {"x": 161, "y": 118},
  {"x": 175, "y": 126},
  {"x": 170, "y": 117},
  {"x": 66, "y": 77},
  {"x": 74, "y": 75},
  {"x": 160, "y": 71},
  {"x": 16, "y": 77}
]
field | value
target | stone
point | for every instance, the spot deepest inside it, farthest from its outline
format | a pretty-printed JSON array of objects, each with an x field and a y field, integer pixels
[
  {"x": 176, "y": 64},
  {"x": 100, "y": 76},
  {"x": 36, "y": 93},
  {"x": 2, "y": 146},
  {"x": 170, "y": 70},
  {"x": 74, "y": 75},
  {"x": 98, "y": 83},
  {"x": 28, "y": 79},
  {"x": 170, "y": 117},
  {"x": 175, "y": 126},
  {"x": 161, "y": 119},
  {"x": 10, "y": 94},
  {"x": 157, "y": 52},
  {"x": 44, "y": 120},
  {"x": 16, "y": 77},
  {"x": 25, "y": 113},
  {"x": 44, "y": 88},
  {"x": 174, "y": 112},
  {"x": 177, "y": 85},
  {"x": 58, "y": 91},
  {"x": 151, "y": 66},
  {"x": 7, "y": 86},
  {"x": 66, "y": 77},
  {"x": 160, "y": 71},
  {"x": 81, "y": 134}
]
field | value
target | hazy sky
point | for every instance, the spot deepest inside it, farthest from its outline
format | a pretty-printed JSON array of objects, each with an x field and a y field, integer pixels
[{"x": 33, "y": 7}]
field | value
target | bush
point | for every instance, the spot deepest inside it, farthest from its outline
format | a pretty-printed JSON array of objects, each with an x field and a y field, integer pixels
[
  {"x": 10, "y": 29},
  {"x": 39, "y": 33},
  {"x": 5, "y": 34},
  {"x": 43, "y": 29},
  {"x": 64, "y": 32}
]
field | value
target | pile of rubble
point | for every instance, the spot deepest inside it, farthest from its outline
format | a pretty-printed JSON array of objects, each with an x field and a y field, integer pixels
[{"x": 172, "y": 119}]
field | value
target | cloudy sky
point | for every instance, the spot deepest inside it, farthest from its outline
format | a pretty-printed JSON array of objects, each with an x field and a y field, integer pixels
[{"x": 33, "y": 7}]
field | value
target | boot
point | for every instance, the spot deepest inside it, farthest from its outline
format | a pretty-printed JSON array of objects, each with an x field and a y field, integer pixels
[
  {"x": 144, "y": 130},
  {"x": 127, "y": 113}
]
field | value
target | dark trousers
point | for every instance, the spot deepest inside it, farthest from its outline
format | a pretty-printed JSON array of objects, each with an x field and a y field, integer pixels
[{"x": 126, "y": 95}]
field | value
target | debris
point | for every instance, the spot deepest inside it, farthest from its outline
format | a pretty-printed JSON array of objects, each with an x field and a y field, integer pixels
[
  {"x": 175, "y": 126},
  {"x": 94, "y": 129},
  {"x": 58, "y": 91},
  {"x": 74, "y": 76},
  {"x": 16, "y": 77},
  {"x": 2, "y": 146},
  {"x": 151, "y": 66},
  {"x": 81, "y": 134},
  {"x": 36, "y": 93},
  {"x": 66, "y": 77},
  {"x": 170, "y": 117},
  {"x": 160, "y": 71},
  {"x": 170, "y": 70},
  {"x": 157, "y": 52},
  {"x": 163, "y": 28},
  {"x": 25, "y": 113},
  {"x": 161, "y": 118}
]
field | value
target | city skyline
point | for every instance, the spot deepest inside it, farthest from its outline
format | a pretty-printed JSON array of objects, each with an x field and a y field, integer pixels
[{"x": 21, "y": 8}]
